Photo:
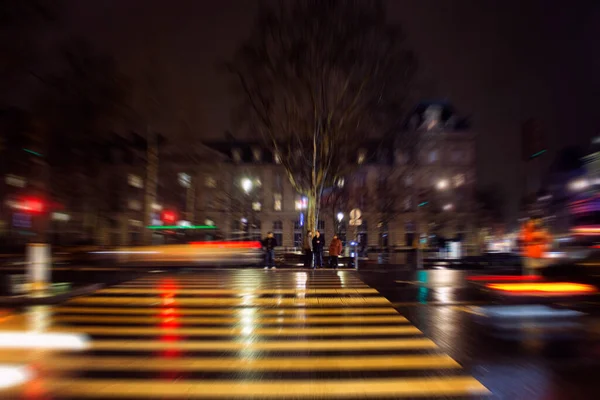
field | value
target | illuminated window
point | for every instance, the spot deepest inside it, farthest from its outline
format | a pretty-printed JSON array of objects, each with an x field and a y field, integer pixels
[
  {"x": 301, "y": 204},
  {"x": 135, "y": 222},
  {"x": 362, "y": 155},
  {"x": 210, "y": 182},
  {"x": 277, "y": 225},
  {"x": 236, "y": 154},
  {"x": 209, "y": 222},
  {"x": 459, "y": 180},
  {"x": 135, "y": 181},
  {"x": 184, "y": 179},
  {"x": 256, "y": 206},
  {"x": 277, "y": 158},
  {"x": 407, "y": 204},
  {"x": 58, "y": 216},
  {"x": 340, "y": 182},
  {"x": 256, "y": 154},
  {"x": 15, "y": 180},
  {"x": 277, "y": 201},
  {"x": 135, "y": 205}
]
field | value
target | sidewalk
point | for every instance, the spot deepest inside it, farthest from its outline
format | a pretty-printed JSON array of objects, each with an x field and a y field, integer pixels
[{"x": 27, "y": 300}]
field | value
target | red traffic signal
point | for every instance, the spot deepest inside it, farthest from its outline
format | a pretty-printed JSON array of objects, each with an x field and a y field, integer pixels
[{"x": 169, "y": 216}]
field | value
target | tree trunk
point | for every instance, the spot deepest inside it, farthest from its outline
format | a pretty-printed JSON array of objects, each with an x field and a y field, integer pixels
[
  {"x": 151, "y": 178},
  {"x": 311, "y": 212}
]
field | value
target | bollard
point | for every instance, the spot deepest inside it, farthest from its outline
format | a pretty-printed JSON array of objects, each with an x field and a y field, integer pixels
[{"x": 38, "y": 266}]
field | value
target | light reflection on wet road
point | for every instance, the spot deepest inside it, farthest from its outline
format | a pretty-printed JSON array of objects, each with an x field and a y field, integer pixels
[{"x": 239, "y": 334}]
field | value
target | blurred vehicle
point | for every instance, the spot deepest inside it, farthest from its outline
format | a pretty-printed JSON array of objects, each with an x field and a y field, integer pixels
[
  {"x": 181, "y": 247},
  {"x": 191, "y": 254}
]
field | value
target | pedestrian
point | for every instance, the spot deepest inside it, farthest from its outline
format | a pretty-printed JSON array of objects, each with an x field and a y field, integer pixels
[
  {"x": 269, "y": 243},
  {"x": 318, "y": 242},
  {"x": 308, "y": 250},
  {"x": 335, "y": 250},
  {"x": 535, "y": 241}
]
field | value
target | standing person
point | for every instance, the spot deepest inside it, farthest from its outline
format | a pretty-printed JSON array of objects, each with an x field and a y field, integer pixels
[
  {"x": 535, "y": 240},
  {"x": 318, "y": 242},
  {"x": 335, "y": 249},
  {"x": 308, "y": 249},
  {"x": 269, "y": 243}
]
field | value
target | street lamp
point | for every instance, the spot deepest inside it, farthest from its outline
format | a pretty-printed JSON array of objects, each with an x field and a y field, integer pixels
[
  {"x": 340, "y": 217},
  {"x": 442, "y": 184},
  {"x": 246, "y": 185}
]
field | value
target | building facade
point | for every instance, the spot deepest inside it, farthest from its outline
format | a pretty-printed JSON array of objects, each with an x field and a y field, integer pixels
[{"x": 406, "y": 193}]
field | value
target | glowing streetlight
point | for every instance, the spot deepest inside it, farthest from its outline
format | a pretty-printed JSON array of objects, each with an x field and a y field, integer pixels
[
  {"x": 246, "y": 185},
  {"x": 340, "y": 216},
  {"x": 442, "y": 184},
  {"x": 579, "y": 184}
]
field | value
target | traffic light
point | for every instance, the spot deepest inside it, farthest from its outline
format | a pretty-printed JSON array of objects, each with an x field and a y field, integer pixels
[{"x": 169, "y": 216}]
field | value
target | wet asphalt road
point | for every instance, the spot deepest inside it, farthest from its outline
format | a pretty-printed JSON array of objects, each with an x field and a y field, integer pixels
[{"x": 440, "y": 306}]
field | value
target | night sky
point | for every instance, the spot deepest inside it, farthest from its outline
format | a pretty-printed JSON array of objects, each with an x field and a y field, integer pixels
[{"x": 499, "y": 61}]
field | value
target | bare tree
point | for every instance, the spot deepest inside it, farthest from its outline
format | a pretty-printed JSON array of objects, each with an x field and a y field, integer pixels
[{"x": 318, "y": 77}]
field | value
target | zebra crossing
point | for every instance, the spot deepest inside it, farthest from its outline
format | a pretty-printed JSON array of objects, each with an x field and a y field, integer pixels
[{"x": 240, "y": 334}]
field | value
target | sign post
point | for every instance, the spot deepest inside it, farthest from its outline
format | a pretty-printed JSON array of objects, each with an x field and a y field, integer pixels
[{"x": 355, "y": 221}]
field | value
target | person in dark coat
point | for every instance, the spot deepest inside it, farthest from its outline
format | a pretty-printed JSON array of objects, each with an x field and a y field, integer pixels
[
  {"x": 318, "y": 242},
  {"x": 308, "y": 250},
  {"x": 269, "y": 244},
  {"x": 335, "y": 250}
]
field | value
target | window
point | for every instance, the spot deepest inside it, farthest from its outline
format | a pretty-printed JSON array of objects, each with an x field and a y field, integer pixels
[
  {"x": 136, "y": 223},
  {"x": 277, "y": 202},
  {"x": 210, "y": 182},
  {"x": 278, "y": 232},
  {"x": 340, "y": 182},
  {"x": 361, "y": 180},
  {"x": 236, "y": 154},
  {"x": 407, "y": 204},
  {"x": 301, "y": 203},
  {"x": 321, "y": 225},
  {"x": 256, "y": 154},
  {"x": 433, "y": 156},
  {"x": 135, "y": 181},
  {"x": 256, "y": 206},
  {"x": 362, "y": 155},
  {"x": 457, "y": 156},
  {"x": 15, "y": 180},
  {"x": 209, "y": 222},
  {"x": 185, "y": 180},
  {"x": 135, "y": 205},
  {"x": 278, "y": 182},
  {"x": 459, "y": 180},
  {"x": 276, "y": 158},
  {"x": 408, "y": 180},
  {"x": 298, "y": 228}
]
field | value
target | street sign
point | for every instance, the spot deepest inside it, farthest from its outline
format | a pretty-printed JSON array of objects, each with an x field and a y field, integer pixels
[
  {"x": 355, "y": 214},
  {"x": 356, "y": 222}
]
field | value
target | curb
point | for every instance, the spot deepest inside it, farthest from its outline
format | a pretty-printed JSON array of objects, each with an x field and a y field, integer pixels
[{"x": 17, "y": 301}]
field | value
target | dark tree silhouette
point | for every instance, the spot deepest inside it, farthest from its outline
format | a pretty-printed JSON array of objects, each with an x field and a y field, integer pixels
[{"x": 316, "y": 78}]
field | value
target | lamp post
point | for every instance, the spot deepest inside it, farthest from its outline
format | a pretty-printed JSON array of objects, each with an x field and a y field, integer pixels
[
  {"x": 247, "y": 186},
  {"x": 340, "y": 217}
]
